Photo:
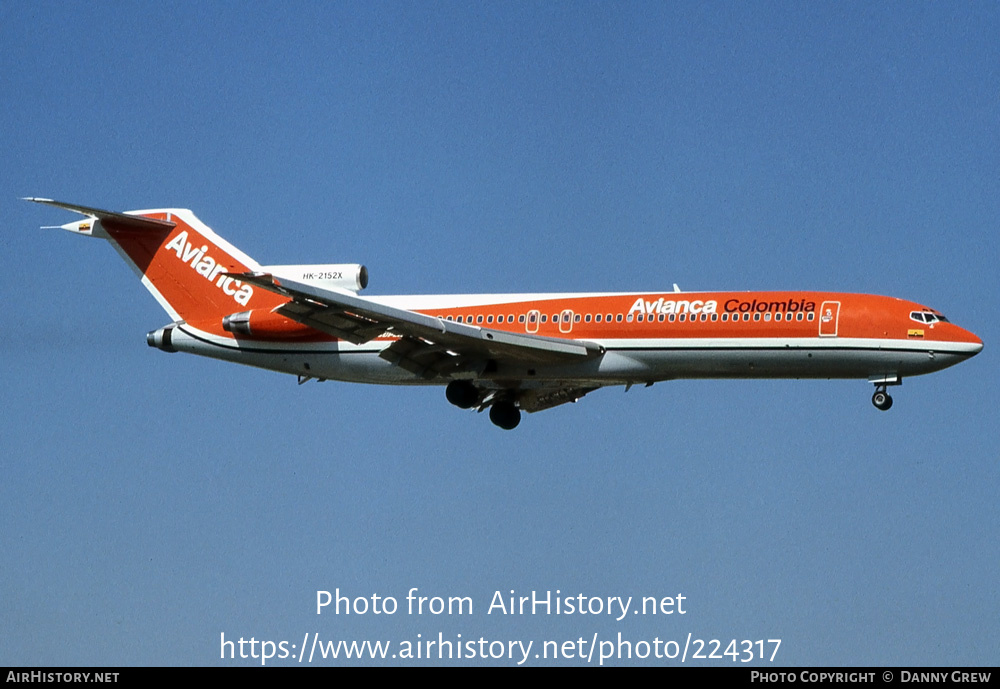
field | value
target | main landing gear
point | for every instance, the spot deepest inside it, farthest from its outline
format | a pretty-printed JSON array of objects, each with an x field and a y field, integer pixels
[
  {"x": 505, "y": 415},
  {"x": 503, "y": 412},
  {"x": 462, "y": 394},
  {"x": 881, "y": 398}
]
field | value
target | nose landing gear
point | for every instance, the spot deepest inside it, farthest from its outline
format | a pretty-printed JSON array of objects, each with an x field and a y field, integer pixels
[{"x": 881, "y": 398}]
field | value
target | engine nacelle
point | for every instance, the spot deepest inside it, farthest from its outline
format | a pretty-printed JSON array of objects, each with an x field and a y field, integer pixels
[
  {"x": 350, "y": 276},
  {"x": 262, "y": 323},
  {"x": 161, "y": 338}
]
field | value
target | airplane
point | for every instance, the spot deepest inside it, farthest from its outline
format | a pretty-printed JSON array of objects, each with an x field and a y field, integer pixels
[{"x": 506, "y": 352}]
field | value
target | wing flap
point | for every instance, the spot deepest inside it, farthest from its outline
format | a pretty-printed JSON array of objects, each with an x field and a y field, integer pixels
[
  {"x": 546, "y": 398},
  {"x": 354, "y": 329},
  {"x": 429, "y": 360}
]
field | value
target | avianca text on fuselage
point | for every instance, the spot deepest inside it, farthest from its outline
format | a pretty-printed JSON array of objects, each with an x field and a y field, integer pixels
[
  {"x": 500, "y": 352},
  {"x": 209, "y": 268},
  {"x": 668, "y": 307}
]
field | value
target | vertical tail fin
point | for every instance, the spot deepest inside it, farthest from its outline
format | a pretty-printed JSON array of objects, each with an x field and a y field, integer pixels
[{"x": 179, "y": 259}]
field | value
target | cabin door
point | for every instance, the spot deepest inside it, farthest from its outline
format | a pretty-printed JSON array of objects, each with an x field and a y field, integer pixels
[{"x": 829, "y": 317}]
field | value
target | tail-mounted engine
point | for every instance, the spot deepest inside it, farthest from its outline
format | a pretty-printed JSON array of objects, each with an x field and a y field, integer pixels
[
  {"x": 266, "y": 324},
  {"x": 161, "y": 338},
  {"x": 262, "y": 323}
]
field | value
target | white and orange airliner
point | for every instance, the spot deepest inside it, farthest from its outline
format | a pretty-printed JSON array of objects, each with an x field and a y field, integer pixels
[{"x": 506, "y": 352}]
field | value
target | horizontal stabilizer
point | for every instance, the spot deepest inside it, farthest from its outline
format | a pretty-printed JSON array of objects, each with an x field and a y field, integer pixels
[{"x": 136, "y": 222}]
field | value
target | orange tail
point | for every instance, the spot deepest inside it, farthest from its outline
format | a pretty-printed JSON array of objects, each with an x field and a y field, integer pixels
[{"x": 180, "y": 260}]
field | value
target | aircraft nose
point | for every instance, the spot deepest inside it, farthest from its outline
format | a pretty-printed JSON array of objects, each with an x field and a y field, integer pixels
[{"x": 972, "y": 340}]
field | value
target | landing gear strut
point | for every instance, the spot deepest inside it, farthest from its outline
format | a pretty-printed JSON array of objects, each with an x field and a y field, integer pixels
[
  {"x": 881, "y": 398},
  {"x": 505, "y": 415}
]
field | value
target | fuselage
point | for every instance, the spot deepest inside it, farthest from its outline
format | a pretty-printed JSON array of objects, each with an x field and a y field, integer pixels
[
  {"x": 506, "y": 352},
  {"x": 646, "y": 337}
]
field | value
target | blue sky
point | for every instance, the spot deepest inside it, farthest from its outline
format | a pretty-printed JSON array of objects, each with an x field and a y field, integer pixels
[{"x": 153, "y": 502}]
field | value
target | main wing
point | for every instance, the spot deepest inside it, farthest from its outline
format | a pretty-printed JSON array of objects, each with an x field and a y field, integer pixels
[{"x": 427, "y": 346}]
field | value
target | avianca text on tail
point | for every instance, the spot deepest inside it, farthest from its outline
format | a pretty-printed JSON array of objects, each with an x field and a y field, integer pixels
[{"x": 506, "y": 352}]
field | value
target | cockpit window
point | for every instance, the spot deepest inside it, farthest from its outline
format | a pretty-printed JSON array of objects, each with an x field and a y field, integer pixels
[{"x": 927, "y": 317}]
